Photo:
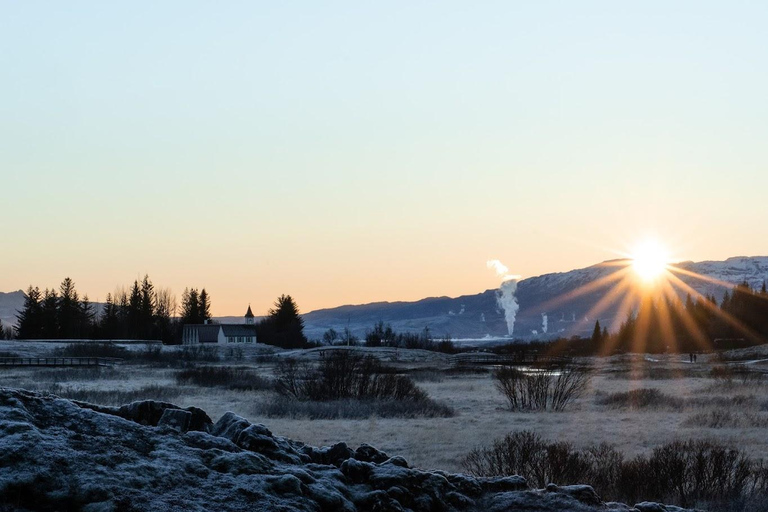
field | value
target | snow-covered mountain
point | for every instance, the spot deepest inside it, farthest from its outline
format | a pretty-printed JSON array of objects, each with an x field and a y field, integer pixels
[
  {"x": 568, "y": 311},
  {"x": 10, "y": 303}
]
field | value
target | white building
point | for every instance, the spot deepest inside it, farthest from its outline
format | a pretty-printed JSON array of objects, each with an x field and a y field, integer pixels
[{"x": 222, "y": 334}]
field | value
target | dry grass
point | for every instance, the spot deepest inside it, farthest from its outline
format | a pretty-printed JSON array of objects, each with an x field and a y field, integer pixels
[
  {"x": 114, "y": 396},
  {"x": 482, "y": 413}
]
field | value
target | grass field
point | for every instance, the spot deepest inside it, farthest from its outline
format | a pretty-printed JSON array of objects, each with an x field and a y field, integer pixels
[{"x": 634, "y": 402}]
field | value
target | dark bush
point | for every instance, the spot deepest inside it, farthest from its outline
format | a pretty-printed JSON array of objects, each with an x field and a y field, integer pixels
[
  {"x": 107, "y": 350},
  {"x": 642, "y": 399},
  {"x": 344, "y": 375},
  {"x": 284, "y": 407},
  {"x": 687, "y": 473},
  {"x": 542, "y": 389},
  {"x": 115, "y": 397},
  {"x": 348, "y": 385},
  {"x": 224, "y": 377}
]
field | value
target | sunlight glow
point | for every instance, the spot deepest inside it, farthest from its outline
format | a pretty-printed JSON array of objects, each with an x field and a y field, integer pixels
[{"x": 649, "y": 260}]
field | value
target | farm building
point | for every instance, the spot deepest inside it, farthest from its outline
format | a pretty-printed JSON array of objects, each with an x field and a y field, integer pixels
[{"x": 195, "y": 334}]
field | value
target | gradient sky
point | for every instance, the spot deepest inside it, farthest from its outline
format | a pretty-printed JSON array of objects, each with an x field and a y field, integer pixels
[{"x": 347, "y": 152}]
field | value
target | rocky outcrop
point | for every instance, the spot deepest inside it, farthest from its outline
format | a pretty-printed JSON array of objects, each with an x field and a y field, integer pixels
[{"x": 56, "y": 454}]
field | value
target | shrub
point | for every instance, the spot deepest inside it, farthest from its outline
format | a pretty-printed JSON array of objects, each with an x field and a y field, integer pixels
[
  {"x": 719, "y": 418},
  {"x": 642, "y": 399},
  {"x": 344, "y": 375},
  {"x": 199, "y": 353},
  {"x": 545, "y": 389},
  {"x": 350, "y": 386},
  {"x": 721, "y": 373},
  {"x": 114, "y": 396},
  {"x": 107, "y": 350},
  {"x": 284, "y": 407},
  {"x": 225, "y": 377},
  {"x": 686, "y": 473}
]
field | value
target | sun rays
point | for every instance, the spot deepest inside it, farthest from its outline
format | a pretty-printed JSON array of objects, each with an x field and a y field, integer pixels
[{"x": 654, "y": 305}]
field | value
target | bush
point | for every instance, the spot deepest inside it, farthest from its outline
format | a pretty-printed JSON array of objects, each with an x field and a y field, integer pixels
[
  {"x": 686, "y": 473},
  {"x": 642, "y": 399},
  {"x": 284, "y": 407},
  {"x": 107, "y": 350},
  {"x": 348, "y": 385},
  {"x": 344, "y": 375},
  {"x": 225, "y": 377},
  {"x": 726, "y": 419},
  {"x": 545, "y": 389},
  {"x": 115, "y": 396}
]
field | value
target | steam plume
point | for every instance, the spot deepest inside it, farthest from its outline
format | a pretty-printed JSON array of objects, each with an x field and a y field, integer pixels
[{"x": 505, "y": 296}]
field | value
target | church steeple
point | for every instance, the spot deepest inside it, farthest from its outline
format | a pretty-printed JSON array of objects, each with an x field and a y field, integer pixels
[{"x": 249, "y": 316}]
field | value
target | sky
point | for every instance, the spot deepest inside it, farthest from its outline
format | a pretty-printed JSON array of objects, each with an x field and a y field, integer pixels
[{"x": 350, "y": 152}]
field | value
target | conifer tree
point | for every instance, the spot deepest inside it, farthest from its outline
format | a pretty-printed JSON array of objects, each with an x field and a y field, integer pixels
[
  {"x": 283, "y": 326},
  {"x": 190, "y": 307},
  {"x": 134, "y": 312},
  {"x": 68, "y": 310},
  {"x": 50, "y": 315},
  {"x": 110, "y": 321},
  {"x": 86, "y": 318},
  {"x": 204, "y": 307},
  {"x": 147, "y": 309},
  {"x": 28, "y": 320},
  {"x": 597, "y": 334}
]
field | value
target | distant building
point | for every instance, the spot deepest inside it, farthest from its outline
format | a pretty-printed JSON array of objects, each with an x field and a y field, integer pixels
[{"x": 195, "y": 334}]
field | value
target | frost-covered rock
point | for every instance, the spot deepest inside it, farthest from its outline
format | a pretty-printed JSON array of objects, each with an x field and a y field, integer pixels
[{"x": 57, "y": 454}]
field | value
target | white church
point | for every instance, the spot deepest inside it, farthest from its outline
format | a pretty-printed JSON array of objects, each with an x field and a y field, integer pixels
[{"x": 222, "y": 334}]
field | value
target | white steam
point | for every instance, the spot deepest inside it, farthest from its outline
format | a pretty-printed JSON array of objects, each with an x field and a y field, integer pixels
[
  {"x": 544, "y": 322},
  {"x": 505, "y": 296}
]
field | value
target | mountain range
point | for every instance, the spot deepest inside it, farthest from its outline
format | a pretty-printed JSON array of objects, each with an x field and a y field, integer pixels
[{"x": 550, "y": 305}]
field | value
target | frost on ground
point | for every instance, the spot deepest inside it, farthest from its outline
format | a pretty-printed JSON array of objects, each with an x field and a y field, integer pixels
[{"x": 57, "y": 454}]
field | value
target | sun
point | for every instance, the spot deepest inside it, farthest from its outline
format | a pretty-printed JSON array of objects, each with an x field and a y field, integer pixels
[{"x": 650, "y": 260}]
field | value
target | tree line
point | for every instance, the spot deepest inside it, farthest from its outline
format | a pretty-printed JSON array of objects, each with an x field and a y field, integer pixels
[
  {"x": 382, "y": 335},
  {"x": 668, "y": 324},
  {"x": 142, "y": 313}
]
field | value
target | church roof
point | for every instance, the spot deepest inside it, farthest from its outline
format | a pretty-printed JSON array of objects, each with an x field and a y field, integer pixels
[
  {"x": 207, "y": 333},
  {"x": 238, "y": 330},
  {"x": 249, "y": 313}
]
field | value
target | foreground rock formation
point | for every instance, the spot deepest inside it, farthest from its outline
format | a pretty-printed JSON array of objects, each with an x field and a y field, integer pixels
[{"x": 58, "y": 454}]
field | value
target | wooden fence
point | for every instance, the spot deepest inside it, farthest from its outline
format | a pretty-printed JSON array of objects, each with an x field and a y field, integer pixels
[{"x": 59, "y": 361}]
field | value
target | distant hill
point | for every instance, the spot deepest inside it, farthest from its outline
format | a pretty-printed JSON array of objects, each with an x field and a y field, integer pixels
[
  {"x": 10, "y": 303},
  {"x": 478, "y": 316}
]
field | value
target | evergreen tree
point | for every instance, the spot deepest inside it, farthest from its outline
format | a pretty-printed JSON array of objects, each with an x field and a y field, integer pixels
[
  {"x": 190, "y": 307},
  {"x": 147, "y": 309},
  {"x": 50, "y": 315},
  {"x": 204, "y": 306},
  {"x": 86, "y": 318},
  {"x": 134, "y": 312},
  {"x": 283, "y": 326},
  {"x": 597, "y": 334},
  {"x": 109, "y": 323},
  {"x": 68, "y": 310},
  {"x": 28, "y": 320},
  {"x": 122, "y": 313}
]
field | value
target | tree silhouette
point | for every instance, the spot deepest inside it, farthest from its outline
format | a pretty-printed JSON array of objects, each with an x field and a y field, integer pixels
[
  {"x": 283, "y": 325},
  {"x": 597, "y": 334},
  {"x": 204, "y": 306}
]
